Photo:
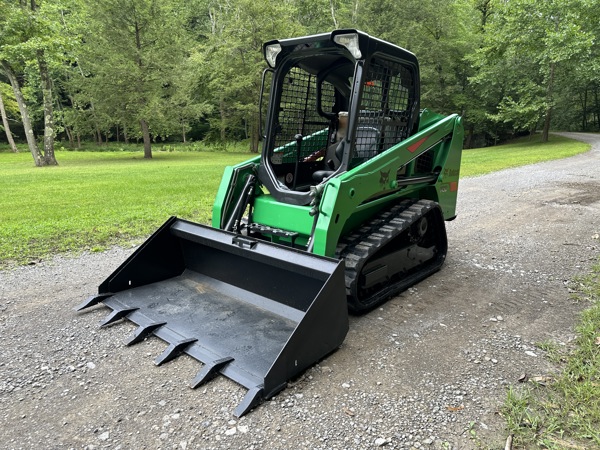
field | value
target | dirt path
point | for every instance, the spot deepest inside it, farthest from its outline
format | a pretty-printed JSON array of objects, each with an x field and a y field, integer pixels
[{"x": 428, "y": 370}]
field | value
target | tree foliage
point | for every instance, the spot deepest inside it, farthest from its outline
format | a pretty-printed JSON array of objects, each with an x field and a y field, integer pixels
[
  {"x": 229, "y": 62},
  {"x": 164, "y": 70},
  {"x": 127, "y": 71},
  {"x": 526, "y": 48}
]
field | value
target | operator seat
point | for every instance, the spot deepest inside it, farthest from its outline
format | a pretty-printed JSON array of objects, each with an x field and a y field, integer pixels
[{"x": 367, "y": 142}]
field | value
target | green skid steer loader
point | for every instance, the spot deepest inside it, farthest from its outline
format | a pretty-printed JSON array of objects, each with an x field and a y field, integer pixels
[{"x": 343, "y": 209}]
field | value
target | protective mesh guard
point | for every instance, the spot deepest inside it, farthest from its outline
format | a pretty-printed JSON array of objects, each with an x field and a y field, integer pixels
[
  {"x": 384, "y": 109},
  {"x": 308, "y": 122},
  {"x": 298, "y": 115}
]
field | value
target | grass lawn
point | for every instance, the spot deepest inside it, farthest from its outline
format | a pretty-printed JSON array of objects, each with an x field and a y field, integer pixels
[
  {"x": 95, "y": 199},
  {"x": 563, "y": 411},
  {"x": 519, "y": 152}
]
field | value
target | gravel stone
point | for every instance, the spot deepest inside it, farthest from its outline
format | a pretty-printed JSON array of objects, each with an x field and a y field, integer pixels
[
  {"x": 104, "y": 436},
  {"x": 380, "y": 442},
  {"x": 421, "y": 375}
]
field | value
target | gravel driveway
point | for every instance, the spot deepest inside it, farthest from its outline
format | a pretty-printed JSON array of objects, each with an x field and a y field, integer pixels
[{"x": 428, "y": 370}]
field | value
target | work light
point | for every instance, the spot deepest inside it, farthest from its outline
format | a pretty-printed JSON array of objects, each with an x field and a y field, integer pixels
[
  {"x": 350, "y": 41},
  {"x": 271, "y": 52}
]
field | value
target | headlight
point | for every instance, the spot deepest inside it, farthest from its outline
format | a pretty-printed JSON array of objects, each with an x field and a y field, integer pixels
[
  {"x": 271, "y": 52},
  {"x": 350, "y": 41}
]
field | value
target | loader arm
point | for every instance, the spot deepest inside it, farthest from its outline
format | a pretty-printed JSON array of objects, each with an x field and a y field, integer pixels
[{"x": 353, "y": 197}]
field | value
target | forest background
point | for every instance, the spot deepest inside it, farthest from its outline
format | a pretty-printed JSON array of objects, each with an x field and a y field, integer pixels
[{"x": 171, "y": 71}]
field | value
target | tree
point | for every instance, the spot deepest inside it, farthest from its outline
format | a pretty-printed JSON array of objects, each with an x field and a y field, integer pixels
[
  {"x": 577, "y": 100},
  {"x": 527, "y": 43},
  {"x": 6, "y": 126},
  {"x": 129, "y": 60},
  {"x": 230, "y": 62},
  {"x": 29, "y": 37},
  {"x": 29, "y": 133},
  {"x": 13, "y": 31}
]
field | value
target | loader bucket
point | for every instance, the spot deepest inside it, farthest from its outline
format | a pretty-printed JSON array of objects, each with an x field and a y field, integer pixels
[{"x": 256, "y": 312}]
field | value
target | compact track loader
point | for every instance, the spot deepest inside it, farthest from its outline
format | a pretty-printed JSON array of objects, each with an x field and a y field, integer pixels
[{"x": 344, "y": 208}]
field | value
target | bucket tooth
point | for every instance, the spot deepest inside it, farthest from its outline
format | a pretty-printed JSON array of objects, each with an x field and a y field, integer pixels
[
  {"x": 93, "y": 300},
  {"x": 252, "y": 398},
  {"x": 143, "y": 332},
  {"x": 209, "y": 371},
  {"x": 173, "y": 351},
  {"x": 117, "y": 314}
]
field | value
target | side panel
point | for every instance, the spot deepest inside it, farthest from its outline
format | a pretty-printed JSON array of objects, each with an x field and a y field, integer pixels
[{"x": 390, "y": 176}]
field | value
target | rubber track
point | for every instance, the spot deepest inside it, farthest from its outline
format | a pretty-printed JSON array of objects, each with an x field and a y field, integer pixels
[{"x": 360, "y": 245}]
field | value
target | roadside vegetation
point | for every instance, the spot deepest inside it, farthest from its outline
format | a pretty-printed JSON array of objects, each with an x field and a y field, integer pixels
[{"x": 562, "y": 410}]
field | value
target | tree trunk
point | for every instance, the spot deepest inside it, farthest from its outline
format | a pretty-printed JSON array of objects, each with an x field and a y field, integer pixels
[
  {"x": 584, "y": 109},
  {"x": 549, "y": 100},
  {"x": 485, "y": 8},
  {"x": 469, "y": 137},
  {"x": 143, "y": 123},
  {"x": 597, "y": 112},
  {"x": 70, "y": 136},
  {"x": 68, "y": 130},
  {"x": 355, "y": 12},
  {"x": 255, "y": 134},
  {"x": 49, "y": 157},
  {"x": 146, "y": 136},
  {"x": 335, "y": 22},
  {"x": 29, "y": 134},
  {"x": 223, "y": 115},
  {"x": 9, "y": 136},
  {"x": 125, "y": 135}
]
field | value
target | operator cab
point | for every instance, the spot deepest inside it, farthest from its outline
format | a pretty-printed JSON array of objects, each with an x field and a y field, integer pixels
[{"x": 336, "y": 100}]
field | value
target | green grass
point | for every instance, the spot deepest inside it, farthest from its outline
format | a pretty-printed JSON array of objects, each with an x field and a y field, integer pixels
[
  {"x": 519, "y": 152},
  {"x": 96, "y": 199},
  {"x": 564, "y": 413},
  {"x": 105, "y": 195}
]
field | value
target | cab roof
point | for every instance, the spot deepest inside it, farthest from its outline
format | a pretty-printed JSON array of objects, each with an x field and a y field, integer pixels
[{"x": 324, "y": 46}]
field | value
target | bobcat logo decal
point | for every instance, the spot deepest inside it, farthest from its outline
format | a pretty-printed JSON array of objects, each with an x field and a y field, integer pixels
[{"x": 384, "y": 177}]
